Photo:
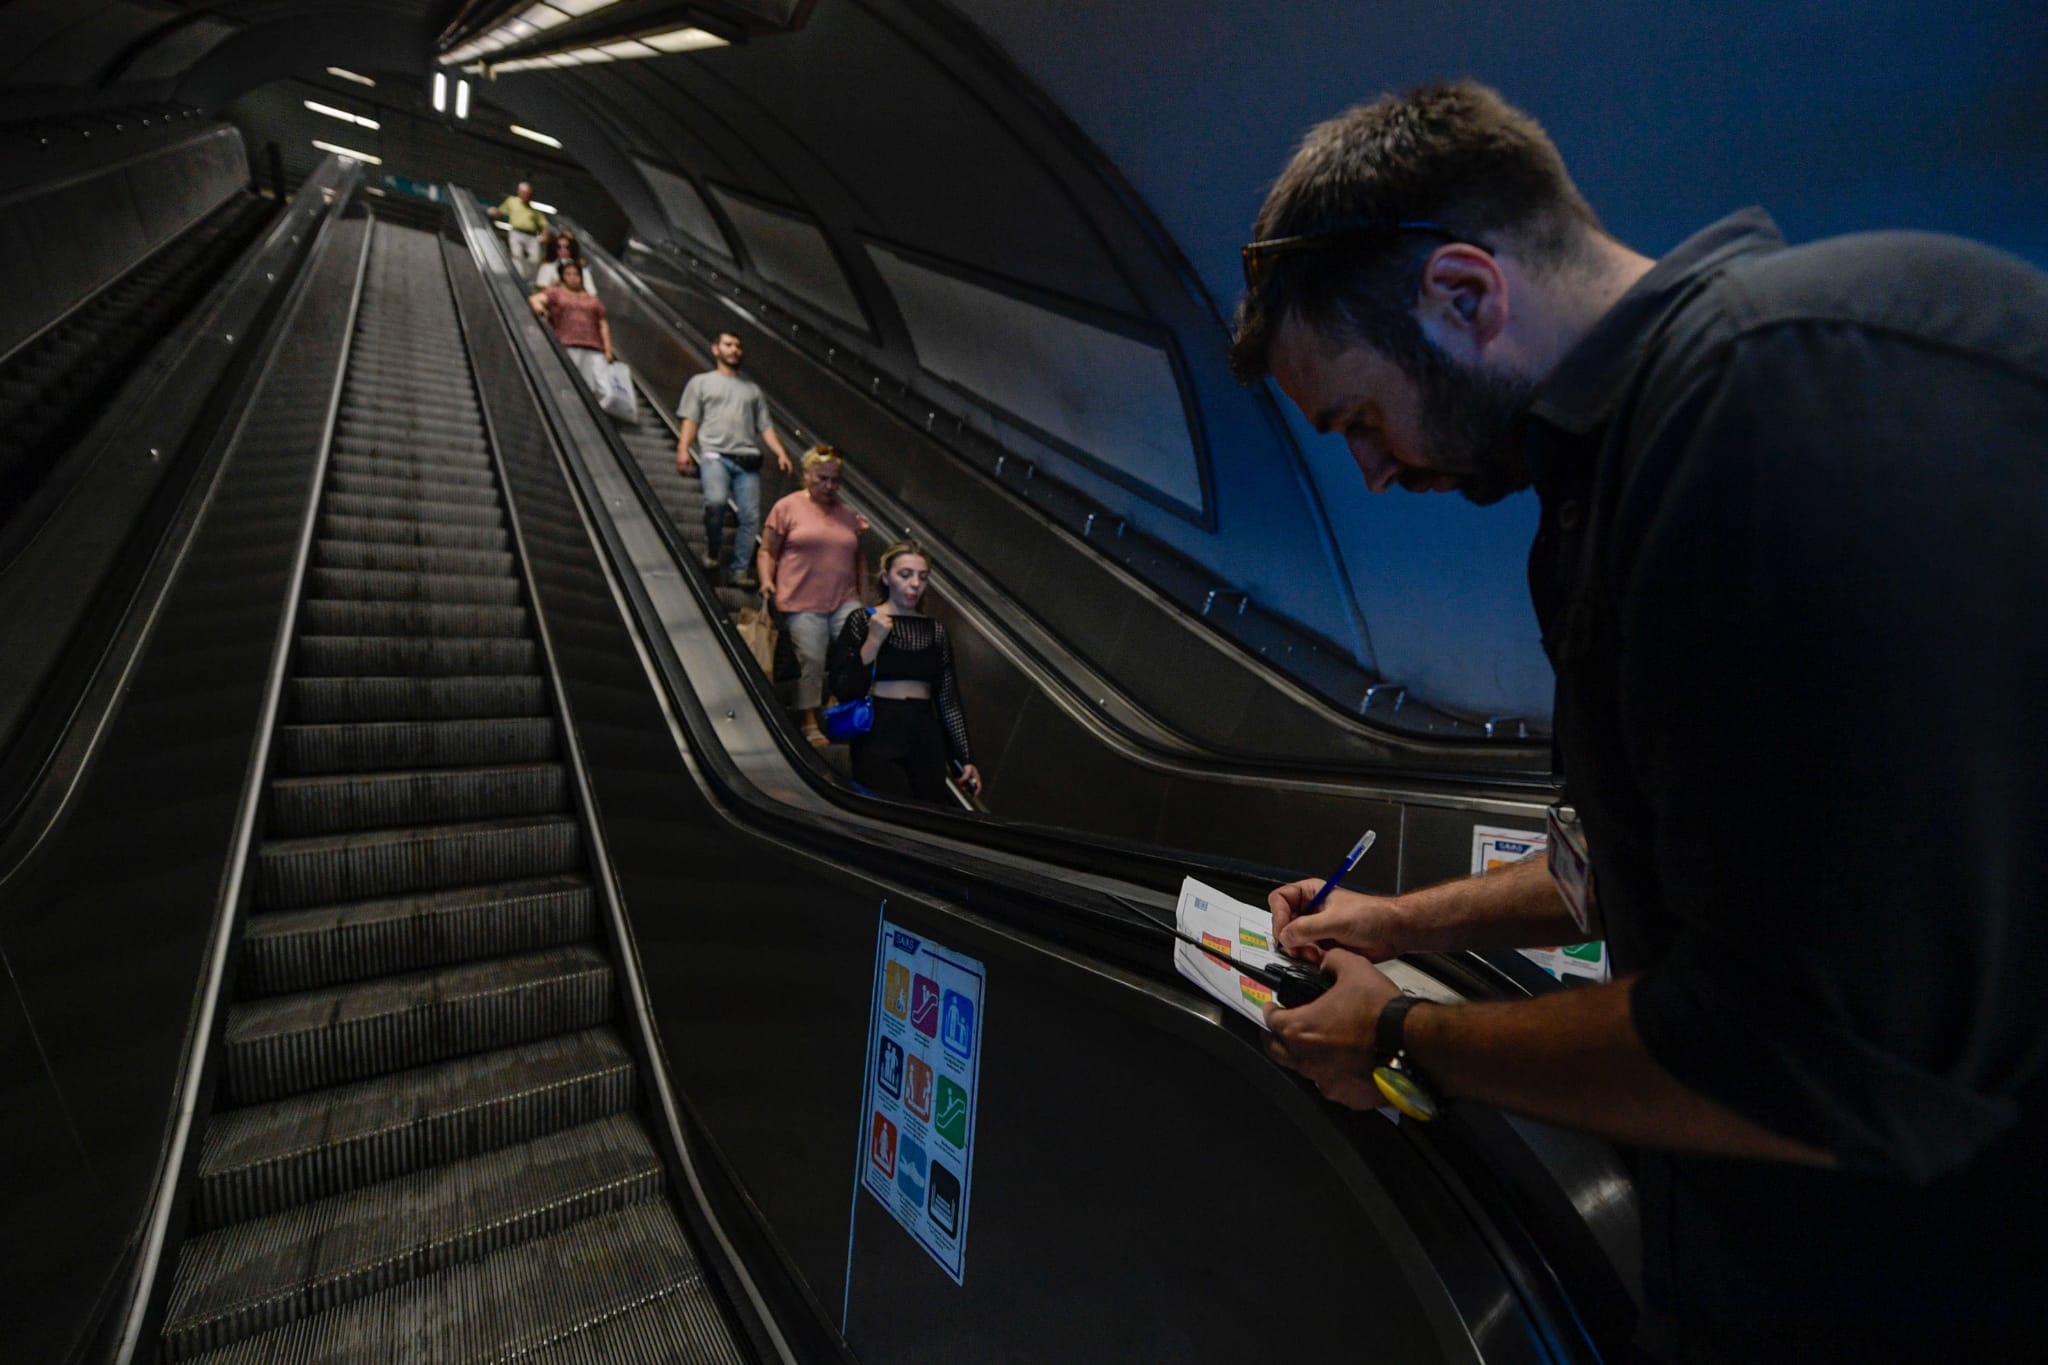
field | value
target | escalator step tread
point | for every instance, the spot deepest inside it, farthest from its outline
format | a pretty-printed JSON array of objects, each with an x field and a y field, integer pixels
[
  {"x": 630, "y": 1270},
  {"x": 300, "y": 950},
  {"x": 333, "y": 803},
  {"x": 292, "y": 874},
  {"x": 395, "y": 585},
  {"x": 378, "y": 745},
  {"x": 349, "y": 616},
  {"x": 377, "y": 656},
  {"x": 414, "y": 506},
  {"x": 412, "y": 489},
  {"x": 257, "y": 1275},
  {"x": 332, "y": 700},
  {"x": 261, "y": 1160},
  {"x": 410, "y": 531},
  {"x": 386, "y": 557},
  {"x": 289, "y": 1044},
  {"x": 473, "y": 470}
]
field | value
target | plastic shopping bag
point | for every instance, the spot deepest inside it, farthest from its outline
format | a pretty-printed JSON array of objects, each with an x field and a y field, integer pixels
[{"x": 616, "y": 394}]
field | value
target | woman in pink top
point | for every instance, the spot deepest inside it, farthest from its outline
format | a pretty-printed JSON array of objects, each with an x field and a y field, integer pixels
[
  {"x": 579, "y": 323},
  {"x": 812, "y": 566}
]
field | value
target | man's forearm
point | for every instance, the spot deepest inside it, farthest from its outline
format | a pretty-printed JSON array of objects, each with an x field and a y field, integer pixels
[
  {"x": 1515, "y": 907},
  {"x": 1574, "y": 1058},
  {"x": 685, "y": 434}
]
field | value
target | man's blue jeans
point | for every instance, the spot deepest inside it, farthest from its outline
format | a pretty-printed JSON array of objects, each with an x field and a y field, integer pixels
[{"x": 723, "y": 482}]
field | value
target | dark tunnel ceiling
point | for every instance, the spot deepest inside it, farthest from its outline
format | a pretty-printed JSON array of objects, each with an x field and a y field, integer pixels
[{"x": 1106, "y": 158}]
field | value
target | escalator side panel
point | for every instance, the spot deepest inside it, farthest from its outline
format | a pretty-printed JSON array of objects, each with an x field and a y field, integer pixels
[
  {"x": 1118, "y": 1123},
  {"x": 107, "y": 929}
]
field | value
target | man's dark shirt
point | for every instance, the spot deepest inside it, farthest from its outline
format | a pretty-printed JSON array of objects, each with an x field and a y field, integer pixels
[{"x": 1793, "y": 572}]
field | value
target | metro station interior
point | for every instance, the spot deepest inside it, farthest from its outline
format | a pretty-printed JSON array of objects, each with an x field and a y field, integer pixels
[{"x": 431, "y": 932}]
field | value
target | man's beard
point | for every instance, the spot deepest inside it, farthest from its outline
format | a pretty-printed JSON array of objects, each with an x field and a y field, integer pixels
[{"x": 1471, "y": 424}]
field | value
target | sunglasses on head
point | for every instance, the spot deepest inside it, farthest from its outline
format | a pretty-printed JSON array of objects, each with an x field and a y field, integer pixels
[{"x": 1261, "y": 254}]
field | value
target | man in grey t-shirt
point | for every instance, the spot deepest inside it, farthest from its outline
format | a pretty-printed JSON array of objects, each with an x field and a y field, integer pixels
[{"x": 727, "y": 418}]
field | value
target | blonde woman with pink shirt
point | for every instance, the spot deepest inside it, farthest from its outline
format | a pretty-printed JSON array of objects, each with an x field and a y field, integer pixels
[{"x": 812, "y": 566}]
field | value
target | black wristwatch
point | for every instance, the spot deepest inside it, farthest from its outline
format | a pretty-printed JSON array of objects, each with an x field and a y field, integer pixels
[{"x": 1394, "y": 1071}]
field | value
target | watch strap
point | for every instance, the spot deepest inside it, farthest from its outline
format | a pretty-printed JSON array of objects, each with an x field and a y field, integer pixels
[{"x": 1389, "y": 1037}]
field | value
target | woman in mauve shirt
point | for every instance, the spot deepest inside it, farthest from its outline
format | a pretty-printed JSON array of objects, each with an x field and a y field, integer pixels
[
  {"x": 812, "y": 566},
  {"x": 579, "y": 323}
]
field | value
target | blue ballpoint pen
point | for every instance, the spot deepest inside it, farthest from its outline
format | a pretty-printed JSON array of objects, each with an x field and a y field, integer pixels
[{"x": 1344, "y": 870}]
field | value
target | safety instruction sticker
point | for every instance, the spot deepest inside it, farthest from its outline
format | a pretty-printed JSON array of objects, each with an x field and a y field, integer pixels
[
  {"x": 924, "y": 1073},
  {"x": 1495, "y": 847}
]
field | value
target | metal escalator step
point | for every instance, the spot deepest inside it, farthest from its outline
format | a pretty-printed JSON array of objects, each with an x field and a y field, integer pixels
[
  {"x": 371, "y": 585},
  {"x": 293, "y": 873},
  {"x": 377, "y": 656},
  {"x": 390, "y": 446},
  {"x": 288, "y": 1044},
  {"x": 302, "y": 806},
  {"x": 390, "y": 557},
  {"x": 440, "y": 490},
  {"x": 545, "y": 1293},
  {"x": 363, "y": 747},
  {"x": 415, "y": 507},
  {"x": 394, "y": 531},
  {"x": 474, "y": 473},
  {"x": 302, "y": 950},
  {"x": 259, "y": 1161},
  {"x": 684, "y": 1326},
  {"x": 255, "y": 1276},
  {"x": 455, "y": 412},
  {"x": 326, "y": 616},
  {"x": 316, "y": 701}
]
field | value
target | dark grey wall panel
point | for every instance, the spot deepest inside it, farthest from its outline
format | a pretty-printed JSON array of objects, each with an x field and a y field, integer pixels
[{"x": 71, "y": 234}]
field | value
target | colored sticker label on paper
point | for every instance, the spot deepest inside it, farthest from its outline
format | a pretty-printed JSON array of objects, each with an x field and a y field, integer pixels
[
  {"x": 924, "y": 1073},
  {"x": 1493, "y": 848}
]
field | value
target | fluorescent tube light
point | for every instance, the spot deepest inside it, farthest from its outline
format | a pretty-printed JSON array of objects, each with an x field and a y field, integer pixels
[
  {"x": 683, "y": 40},
  {"x": 462, "y": 99},
  {"x": 351, "y": 153},
  {"x": 548, "y": 209},
  {"x": 440, "y": 92},
  {"x": 581, "y": 7},
  {"x": 344, "y": 115},
  {"x": 537, "y": 137},
  {"x": 349, "y": 76}
]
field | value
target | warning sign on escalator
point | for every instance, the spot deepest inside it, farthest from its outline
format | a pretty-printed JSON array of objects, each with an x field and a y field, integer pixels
[{"x": 923, "y": 1074}]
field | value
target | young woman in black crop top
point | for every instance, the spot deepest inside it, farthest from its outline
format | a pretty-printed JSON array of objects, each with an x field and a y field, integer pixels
[{"x": 904, "y": 660}]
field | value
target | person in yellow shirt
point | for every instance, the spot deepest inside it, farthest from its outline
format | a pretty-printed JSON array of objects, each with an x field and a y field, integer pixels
[{"x": 529, "y": 225}]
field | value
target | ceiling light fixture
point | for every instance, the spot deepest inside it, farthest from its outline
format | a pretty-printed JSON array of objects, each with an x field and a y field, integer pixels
[
  {"x": 351, "y": 153},
  {"x": 349, "y": 76},
  {"x": 632, "y": 49},
  {"x": 440, "y": 92},
  {"x": 344, "y": 115},
  {"x": 548, "y": 209},
  {"x": 462, "y": 99},
  {"x": 537, "y": 137}
]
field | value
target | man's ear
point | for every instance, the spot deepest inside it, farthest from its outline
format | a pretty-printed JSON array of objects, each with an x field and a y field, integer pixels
[{"x": 1463, "y": 297}]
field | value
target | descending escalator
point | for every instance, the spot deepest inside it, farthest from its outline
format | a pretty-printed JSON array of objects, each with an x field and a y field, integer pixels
[
  {"x": 56, "y": 385},
  {"x": 426, "y": 1140}
]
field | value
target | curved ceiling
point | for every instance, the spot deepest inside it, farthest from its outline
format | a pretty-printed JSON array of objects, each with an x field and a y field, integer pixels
[{"x": 1100, "y": 162}]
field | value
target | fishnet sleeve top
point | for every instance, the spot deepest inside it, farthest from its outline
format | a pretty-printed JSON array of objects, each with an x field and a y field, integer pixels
[{"x": 917, "y": 650}]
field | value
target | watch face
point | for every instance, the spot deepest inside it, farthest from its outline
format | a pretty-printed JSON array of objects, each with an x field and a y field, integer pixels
[{"x": 1405, "y": 1093}]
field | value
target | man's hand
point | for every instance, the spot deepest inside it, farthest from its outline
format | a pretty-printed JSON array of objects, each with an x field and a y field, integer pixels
[
  {"x": 782, "y": 462},
  {"x": 1371, "y": 925},
  {"x": 1330, "y": 1040},
  {"x": 684, "y": 464}
]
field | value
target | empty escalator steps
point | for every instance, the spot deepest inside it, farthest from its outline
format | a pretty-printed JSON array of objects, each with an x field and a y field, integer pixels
[{"x": 425, "y": 1143}]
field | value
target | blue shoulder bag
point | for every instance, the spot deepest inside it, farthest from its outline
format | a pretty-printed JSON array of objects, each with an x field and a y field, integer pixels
[{"x": 851, "y": 719}]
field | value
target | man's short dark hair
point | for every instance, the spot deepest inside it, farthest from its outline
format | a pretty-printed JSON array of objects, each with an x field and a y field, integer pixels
[
  {"x": 1452, "y": 153},
  {"x": 734, "y": 335}
]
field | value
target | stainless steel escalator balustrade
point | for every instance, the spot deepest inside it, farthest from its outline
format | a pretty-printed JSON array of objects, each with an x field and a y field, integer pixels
[{"x": 425, "y": 1142}]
